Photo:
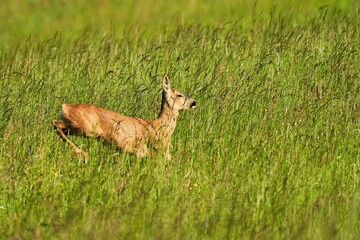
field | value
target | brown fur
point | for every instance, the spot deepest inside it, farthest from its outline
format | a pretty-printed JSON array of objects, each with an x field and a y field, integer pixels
[{"x": 130, "y": 134}]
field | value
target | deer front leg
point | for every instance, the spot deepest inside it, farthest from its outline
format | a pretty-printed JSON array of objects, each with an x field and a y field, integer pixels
[
  {"x": 167, "y": 150},
  {"x": 167, "y": 154}
]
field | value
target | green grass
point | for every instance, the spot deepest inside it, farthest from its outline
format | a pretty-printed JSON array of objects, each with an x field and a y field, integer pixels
[{"x": 271, "y": 151}]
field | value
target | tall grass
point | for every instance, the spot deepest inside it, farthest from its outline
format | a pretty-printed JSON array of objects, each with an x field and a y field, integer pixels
[{"x": 271, "y": 151}]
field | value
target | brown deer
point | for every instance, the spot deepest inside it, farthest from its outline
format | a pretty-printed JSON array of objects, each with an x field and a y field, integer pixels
[{"x": 130, "y": 134}]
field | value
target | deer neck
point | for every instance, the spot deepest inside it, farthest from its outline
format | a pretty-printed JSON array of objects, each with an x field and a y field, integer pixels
[{"x": 166, "y": 121}]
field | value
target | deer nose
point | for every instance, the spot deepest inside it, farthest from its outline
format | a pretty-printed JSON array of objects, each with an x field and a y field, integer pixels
[{"x": 193, "y": 104}]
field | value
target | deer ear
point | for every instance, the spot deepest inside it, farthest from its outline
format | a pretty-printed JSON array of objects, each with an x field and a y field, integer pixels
[{"x": 166, "y": 83}]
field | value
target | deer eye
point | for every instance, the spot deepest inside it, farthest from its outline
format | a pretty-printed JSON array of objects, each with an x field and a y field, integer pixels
[{"x": 180, "y": 96}]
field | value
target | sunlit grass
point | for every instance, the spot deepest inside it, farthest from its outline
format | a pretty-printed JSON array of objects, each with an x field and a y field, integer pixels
[{"x": 271, "y": 151}]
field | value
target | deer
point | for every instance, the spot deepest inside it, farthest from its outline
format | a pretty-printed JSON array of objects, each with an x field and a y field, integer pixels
[{"x": 129, "y": 134}]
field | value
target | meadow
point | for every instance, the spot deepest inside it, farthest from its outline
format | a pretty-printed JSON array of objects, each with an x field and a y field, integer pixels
[{"x": 270, "y": 152}]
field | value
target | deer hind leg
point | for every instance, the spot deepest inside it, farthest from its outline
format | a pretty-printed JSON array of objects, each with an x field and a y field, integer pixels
[{"x": 61, "y": 127}]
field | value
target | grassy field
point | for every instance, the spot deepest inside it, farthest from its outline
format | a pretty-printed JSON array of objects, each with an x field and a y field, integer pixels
[{"x": 271, "y": 151}]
